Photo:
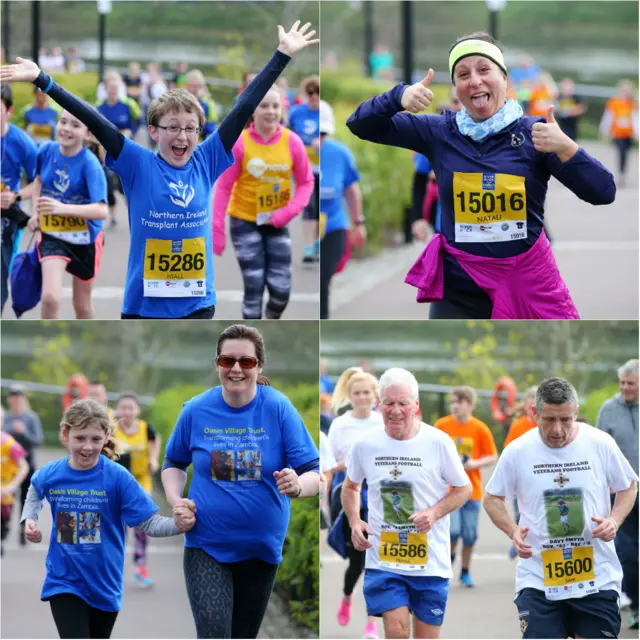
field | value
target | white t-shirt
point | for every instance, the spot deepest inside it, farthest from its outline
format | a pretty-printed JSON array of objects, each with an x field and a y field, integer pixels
[
  {"x": 347, "y": 429},
  {"x": 327, "y": 461},
  {"x": 559, "y": 491},
  {"x": 405, "y": 476}
]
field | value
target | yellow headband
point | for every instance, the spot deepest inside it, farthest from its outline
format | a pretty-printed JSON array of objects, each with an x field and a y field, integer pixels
[{"x": 475, "y": 48}]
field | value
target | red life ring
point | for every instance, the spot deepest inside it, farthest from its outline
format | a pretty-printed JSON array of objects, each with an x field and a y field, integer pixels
[
  {"x": 508, "y": 386},
  {"x": 77, "y": 387}
]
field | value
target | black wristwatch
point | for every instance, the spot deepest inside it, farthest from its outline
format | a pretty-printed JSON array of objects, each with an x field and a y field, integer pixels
[
  {"x": 359, "y": 222},
  {"x": 18, "y": 198}
]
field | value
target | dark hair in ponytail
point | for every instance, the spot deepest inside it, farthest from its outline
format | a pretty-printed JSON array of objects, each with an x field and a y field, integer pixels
[{"x": 263, "y": 380}]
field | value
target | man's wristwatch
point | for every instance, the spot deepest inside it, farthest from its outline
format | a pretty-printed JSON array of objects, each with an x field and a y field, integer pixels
[
  {"x": 18, "y": 198},
  {"x": 359, "y": 222}
]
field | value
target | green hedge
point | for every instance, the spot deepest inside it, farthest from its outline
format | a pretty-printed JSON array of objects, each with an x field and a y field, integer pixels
[
  {"x": 297, "y": 579},
  {"x": 386, "y": 172},
  {"x": 591, "y": 406}
]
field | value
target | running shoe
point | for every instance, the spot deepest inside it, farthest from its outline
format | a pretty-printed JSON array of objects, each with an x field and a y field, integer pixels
[
  {"x": 141, "y": 578},
  {"x": 344, "y": 613},
  {"x": 371, "y": 631},
  {"x": 308, "y": 254},
  {"x": 625, "y": 600},
  {"x": 633, "y": 623},
  {"x": 466, "y": 580}
]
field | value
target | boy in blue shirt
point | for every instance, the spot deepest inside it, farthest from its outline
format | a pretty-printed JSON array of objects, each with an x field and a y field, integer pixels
[
  {"x": 18, "y": 153},
  {"x": 39, "y": 120}
]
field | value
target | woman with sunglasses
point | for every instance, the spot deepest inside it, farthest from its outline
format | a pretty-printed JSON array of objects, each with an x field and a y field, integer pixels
[
  {"x": 170, "y": 268},
  {"x": 304, "y": 119},
  {"x": 251, "y": 454},
  {"x": 492, "y": 258}
]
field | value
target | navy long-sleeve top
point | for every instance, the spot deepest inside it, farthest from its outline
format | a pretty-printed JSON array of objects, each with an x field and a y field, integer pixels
[{"x": 492, "y": 192}]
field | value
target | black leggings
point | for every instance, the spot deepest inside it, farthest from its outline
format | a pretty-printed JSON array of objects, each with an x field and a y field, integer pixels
[
  {"x": 356, "y": 559},
  {"x": 461, "y": 305},
  {"x": 623, "y": 144},
  {"x": 331, "y": 251},
  {"x": 228, "y": 600},
  {"x": 74, "y": 618}
]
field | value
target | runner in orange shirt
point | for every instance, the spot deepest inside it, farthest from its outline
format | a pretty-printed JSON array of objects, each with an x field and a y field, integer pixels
[
  {"x": 477, "y": 449},
  {"x": 620, "y": 123}
]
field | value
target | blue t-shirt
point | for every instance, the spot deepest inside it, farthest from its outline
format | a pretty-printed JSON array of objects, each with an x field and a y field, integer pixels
[
  {"x": 326, "y": 385},
  {"x": 306, "y": 123},
  {"x": 18, "y": 151},
  {"x": 73, "y": 180},
  {"x": 234, "y": 452},
  {"x": 40, "y": 124},
  {"x": 209, "y": 122},
  {"x": 118, "y": 114},
  {"x": 90, "y": 510},
  {"x": 338, "y": 171},
  {"x": 170, "y": 269},
  {"x": 421, "y": 164}
]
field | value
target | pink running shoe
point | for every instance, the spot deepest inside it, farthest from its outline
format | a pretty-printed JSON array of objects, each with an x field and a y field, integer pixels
[
  {"x": 344, "y": 613},
  {"x": 371, "y": 631}
]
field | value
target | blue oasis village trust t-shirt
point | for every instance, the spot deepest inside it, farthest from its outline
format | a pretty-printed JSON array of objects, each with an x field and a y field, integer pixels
[
  {"x": 170, "y": 270},
  {"x": 234, "y": 452},
  {"x": 76, "y": 180},
  {"x": 90, "y": 510}
]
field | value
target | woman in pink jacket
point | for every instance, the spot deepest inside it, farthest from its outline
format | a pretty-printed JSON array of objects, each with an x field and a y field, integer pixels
[{"x": 258, "y": 194}]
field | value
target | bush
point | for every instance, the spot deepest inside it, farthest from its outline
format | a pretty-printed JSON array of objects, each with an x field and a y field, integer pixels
[
  {"x": 297, "y": 579},
  {"x": 590, "y": 408}
]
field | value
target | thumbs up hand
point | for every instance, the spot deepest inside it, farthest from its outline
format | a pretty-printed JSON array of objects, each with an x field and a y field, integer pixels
[
  {"x": 418, "y": 97},
  {"x": 549, "y": 138}
]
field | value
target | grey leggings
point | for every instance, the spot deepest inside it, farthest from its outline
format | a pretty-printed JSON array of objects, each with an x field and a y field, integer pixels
[
  {"x": 228, "y": 599},
  {"x": 264, "y": 256}
]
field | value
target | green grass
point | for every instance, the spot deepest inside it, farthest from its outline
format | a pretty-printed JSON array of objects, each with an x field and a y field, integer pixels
[{"x": 576, "y": 519}]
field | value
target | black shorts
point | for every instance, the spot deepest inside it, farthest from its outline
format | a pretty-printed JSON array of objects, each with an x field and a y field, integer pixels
[
  {"x": 113, "y": 185},
  {"x": 206, "y": 313},
  {"x": 312, "y": 210},
  {"x": 594, "y": 616},
  {"x": 83, "y": 260}
]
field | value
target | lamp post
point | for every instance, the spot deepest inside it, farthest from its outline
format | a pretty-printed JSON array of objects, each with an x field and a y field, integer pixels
[
  {"x": 407, "y": 38},
  {"x": 6, "y": 31},
  {"x": 35, "y": 30},
  {"x": 495, "y": 7},
  {"x": 368, "y": 36},
  {"x": 104, "y": 7}
]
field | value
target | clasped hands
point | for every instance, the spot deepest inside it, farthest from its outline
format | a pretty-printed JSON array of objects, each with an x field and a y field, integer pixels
[{"x": 184, "y": 514}]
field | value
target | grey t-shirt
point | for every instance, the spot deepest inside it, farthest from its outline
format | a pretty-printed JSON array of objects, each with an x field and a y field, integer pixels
[{"x": 32, "y": 427}]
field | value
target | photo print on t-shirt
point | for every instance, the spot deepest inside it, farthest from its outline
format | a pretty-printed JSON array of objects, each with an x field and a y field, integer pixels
[
  {"x": 239, "y": 466},
  {"x": 90, "y": 527},
  {"x": 66, "y": 527},
  {"x": 564, "y": 512},
  {"x": 397, "y": 502}
]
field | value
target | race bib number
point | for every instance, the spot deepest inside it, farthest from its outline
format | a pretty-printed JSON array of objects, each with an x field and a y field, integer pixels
[
  {"x": 40, "y": 132},
  {"x": 314, "y": 158},
  {"x": 175, "y": 268},
  {"x": 489, "y": 207},
  {"x": 272, "y": 196},
  {"x": 322, "y": 225},
  {"x": 402, "y": 550},
  {"x": 68, "y": 228},
  {"x": 568, "y": 572}
]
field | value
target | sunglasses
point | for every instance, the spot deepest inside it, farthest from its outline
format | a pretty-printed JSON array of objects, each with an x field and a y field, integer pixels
[
  {"x": 312, "y": 92},
  {"x": 245, "y": 362}
]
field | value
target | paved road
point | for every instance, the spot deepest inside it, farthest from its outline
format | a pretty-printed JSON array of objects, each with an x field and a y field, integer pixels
[
  {"x": 487, "y": 611},
  {"x": 596, "y": 249},
  {"x": 109, "y": 285},
  {"x": 161, "y": 612}
]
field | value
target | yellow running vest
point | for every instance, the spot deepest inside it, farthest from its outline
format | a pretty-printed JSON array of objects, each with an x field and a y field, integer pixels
[
  {"x": 264, "y": 185},
  {"x": 9, "y": 467},
  {"x": 137, "y": 445}
]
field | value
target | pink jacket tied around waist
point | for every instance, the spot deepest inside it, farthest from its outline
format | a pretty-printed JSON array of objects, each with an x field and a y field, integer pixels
[{"x": 524, "y": 287}]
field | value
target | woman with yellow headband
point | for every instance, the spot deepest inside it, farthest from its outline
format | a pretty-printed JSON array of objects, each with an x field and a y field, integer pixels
[{"x": 491, "y": 258}]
